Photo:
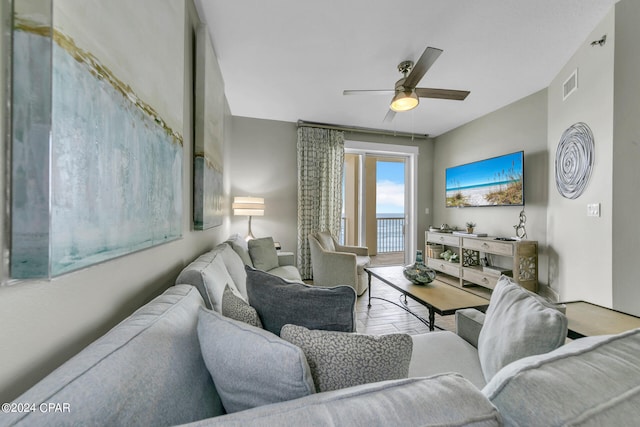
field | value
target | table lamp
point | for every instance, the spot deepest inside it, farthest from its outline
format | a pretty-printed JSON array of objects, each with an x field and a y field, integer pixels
[{"x": 248, "y": 206}]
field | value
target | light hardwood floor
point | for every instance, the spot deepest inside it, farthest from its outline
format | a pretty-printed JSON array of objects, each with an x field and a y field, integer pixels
[
  {"x": 388, "y": 258},
  {"x": 385, "y": 318}
]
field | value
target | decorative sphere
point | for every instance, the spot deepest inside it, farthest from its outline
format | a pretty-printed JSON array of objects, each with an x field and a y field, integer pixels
[{"x": 419, "y": 274}]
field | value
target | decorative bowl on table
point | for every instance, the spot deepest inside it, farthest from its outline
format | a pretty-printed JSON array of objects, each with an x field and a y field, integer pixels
[{"x": 419, "y": 274}]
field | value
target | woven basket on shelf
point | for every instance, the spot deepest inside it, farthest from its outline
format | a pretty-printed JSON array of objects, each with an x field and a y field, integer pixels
[{"x": 434, "y": 250}]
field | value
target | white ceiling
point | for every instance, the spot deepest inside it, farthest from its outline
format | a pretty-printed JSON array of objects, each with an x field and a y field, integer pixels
[{"x": 291, "y": 59}]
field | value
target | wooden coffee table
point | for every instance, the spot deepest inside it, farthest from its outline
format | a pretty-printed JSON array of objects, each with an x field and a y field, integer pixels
[{"x": 437, "y": 296}]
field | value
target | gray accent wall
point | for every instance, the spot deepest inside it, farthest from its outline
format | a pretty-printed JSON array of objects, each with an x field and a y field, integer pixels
[
  {"x": 521, "y": 125},
  {"x": 264, "y": 155}
]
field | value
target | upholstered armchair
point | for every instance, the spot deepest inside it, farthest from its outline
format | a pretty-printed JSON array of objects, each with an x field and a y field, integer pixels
[{"x": 334, "y": 264}]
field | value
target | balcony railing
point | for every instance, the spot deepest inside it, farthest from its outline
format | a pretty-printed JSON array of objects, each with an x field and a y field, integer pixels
[{"x": 390, "y": 234}]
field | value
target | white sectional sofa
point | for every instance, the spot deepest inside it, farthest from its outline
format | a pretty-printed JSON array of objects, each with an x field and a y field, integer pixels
[{"x": 154, "y": 368}]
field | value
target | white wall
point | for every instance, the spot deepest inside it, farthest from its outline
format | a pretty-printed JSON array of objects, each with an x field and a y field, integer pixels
[
  {"x": 580, "y": 246},
  {"x": 519, "y": 126},
  {"x": 43, "y": 323},
  {"x": 626, "y": 155}
]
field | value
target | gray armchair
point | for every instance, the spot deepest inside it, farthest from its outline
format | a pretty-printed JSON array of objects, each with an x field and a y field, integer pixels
[{"x": 334, "y": 264}]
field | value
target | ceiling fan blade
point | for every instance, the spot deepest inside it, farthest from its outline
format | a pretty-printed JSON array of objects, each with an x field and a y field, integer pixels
[
  {"x": 390, "y": 115},
  {"x": 425, "y": 62},
  {"x": 368, "y": 92},
  {"x": 456, "y": 95}
]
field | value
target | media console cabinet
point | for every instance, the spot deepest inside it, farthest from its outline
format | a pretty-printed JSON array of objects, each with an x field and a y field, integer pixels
[{"x": 518, "y": 258}]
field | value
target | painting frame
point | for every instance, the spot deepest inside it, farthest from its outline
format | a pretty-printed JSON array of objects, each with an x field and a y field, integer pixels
[
  {"x": 208, "y": 191},
  {"x": 116, "y": 154}
]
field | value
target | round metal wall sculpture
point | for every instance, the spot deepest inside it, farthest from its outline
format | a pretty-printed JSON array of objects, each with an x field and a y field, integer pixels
[{"x": 574, "y": 160}]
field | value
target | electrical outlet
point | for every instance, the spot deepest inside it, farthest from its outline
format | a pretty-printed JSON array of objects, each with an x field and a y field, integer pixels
[
  {"x": 593, "y": 209},
  {"x": 426, "y": 211}
]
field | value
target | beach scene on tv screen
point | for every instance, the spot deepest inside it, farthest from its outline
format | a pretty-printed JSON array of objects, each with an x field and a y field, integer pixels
[{"x": 491, "y": 182}]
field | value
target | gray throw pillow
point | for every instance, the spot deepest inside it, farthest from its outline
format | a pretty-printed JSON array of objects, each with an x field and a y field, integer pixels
[
  {"x": 251, "y": 367},
  {"x": 279, "y": 302},
  {"x": 236, "y": 308},
  {"x": 263, "y": 253},
  {"x": 518, "y": 324},
  {"x": 340, "y": 360}
]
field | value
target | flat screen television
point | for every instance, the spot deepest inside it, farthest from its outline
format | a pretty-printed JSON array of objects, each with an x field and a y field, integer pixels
[{"x": 498, "y": 181}]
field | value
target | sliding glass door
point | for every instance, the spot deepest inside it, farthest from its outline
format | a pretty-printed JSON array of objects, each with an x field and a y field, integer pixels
[{"x": 379, "y": 201}]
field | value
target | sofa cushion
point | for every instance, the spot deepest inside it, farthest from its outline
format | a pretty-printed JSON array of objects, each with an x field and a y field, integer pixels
[
  {"x": 239, "y": 246},
  {"x": 235, "y": 267},
  {"x": 250, "y": 366},
  {"x": 263, "y": 253},
  {"x": 288, "y": 272},
  {"x": 326, "y": 241},
  {"x": 443, "y": 400},
  {"x": 279, "y": 302},
  {"x": 592, "y": 381},
  {"x": 236, "y": 308},
  {"x": 444, "y": 351},
  {"x": 518, "y": 323},
  {"x": 147, "y": 371},
  {"x": 339, "y": 359},
  {"x": 209, "y": 274}
]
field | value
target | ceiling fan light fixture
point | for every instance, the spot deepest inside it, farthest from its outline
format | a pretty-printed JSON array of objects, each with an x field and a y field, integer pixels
[{"x": 404, "y": 101}]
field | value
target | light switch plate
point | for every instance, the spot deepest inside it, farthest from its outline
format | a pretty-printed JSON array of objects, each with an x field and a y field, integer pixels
[{"x": 593, "y": 209}]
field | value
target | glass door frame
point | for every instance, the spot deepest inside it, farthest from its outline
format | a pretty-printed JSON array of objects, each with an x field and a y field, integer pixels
[{"x": 410, "y": 155}]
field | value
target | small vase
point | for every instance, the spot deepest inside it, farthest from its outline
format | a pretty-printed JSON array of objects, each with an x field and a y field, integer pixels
[
  {"x": 470, "y": 230},
  {"x": 419, "y": 273}
]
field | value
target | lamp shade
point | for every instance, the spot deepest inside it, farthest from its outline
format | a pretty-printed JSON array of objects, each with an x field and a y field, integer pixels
[
  {"x": 404, "y": 101},
  {"x": 248, "y": 206}
]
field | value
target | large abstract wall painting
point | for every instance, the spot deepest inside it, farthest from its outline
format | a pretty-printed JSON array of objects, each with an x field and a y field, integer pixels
[
  {"x": 209, "y": 133},
  {"x": 31, "y": 124},
  {"x": 116, "y": 150}
]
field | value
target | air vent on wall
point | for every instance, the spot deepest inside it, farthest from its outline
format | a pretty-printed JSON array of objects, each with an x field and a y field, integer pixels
[{"x": 570, "y": 85}]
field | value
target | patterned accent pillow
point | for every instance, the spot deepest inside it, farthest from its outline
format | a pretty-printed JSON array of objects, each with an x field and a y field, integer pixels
[
  {"x": 339, "y": 359},
  {"x": 236, "y": 308}
]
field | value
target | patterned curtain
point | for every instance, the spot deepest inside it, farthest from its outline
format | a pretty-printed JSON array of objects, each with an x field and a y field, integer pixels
[{"x": 320, "y": 164}]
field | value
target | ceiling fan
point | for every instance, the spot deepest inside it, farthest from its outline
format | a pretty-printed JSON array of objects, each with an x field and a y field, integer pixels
[{"x": 406, "y": 94}]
